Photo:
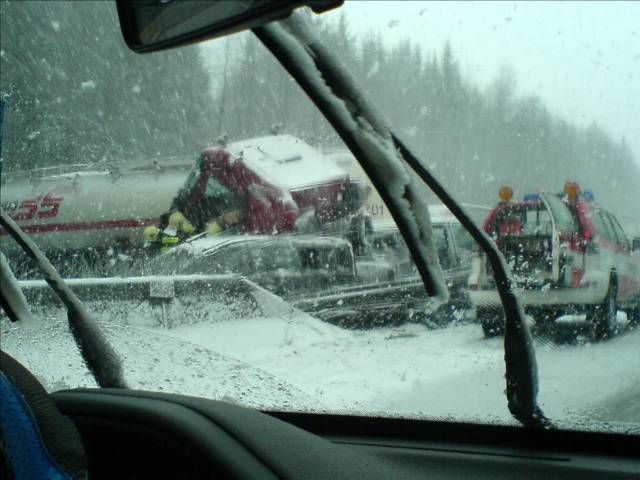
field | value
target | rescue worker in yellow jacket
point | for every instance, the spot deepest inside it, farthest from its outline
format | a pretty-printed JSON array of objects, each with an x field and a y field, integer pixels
[
  {"x": 151, "y": 238},
  {"x": 227, "y": 220},
  {"x": 174, "y": 229}
]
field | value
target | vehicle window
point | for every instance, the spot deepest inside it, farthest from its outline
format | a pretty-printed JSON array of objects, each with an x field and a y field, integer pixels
[
  {"x": 443, "y": 246},
  {"x": 463, "y": 239},
  {"x": 603, "y": 226},
  {"x": 215, "y": 189},
  {"x": 564, "y": 219},
  {"x": 528, "y": 219},
  {"x": 537, "y": 219},
  {"x": 612, "y": 232},
  {"x": 620, "y": 235},
  {"x": 284, "y": 282}
]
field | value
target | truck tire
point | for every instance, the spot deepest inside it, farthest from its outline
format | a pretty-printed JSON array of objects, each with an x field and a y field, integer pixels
[
  {"x": 603, "y": 317},
  {"x": 492, "y": 321},
  {"x": 456, "y": 308},
  {"x": 545, "y": 319}
]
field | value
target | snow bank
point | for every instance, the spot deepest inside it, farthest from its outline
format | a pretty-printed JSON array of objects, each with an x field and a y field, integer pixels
[{"x": 151, "y": 361}]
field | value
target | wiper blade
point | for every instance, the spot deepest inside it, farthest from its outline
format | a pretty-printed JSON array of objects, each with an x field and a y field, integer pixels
[
  {"x": 101, "y": 359},
  {"x": 334, "y": 92},
  {"x": 519, "y": 354},
  {"x": 12, "y": 299}
]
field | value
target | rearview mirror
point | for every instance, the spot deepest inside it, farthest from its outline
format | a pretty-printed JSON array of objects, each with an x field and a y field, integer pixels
[{"x": 150, "y": 25}]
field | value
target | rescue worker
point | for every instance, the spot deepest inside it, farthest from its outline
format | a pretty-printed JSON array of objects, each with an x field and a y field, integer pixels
[
  {"x": 158, "y": 241},
  {"x": 151, "y": 239},
  {"x": 178, "y": 228},
  {"x": 174, "y": 229},
  {"x": 228, "y": 220},
  {"x": 217, "y": 210},
  {"x": 184, "y": 228}
]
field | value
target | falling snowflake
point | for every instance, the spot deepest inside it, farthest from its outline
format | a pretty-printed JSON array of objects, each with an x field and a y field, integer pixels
[
  {"x": 411, "y": 132},
  {"x": 375, "y": 68},
  {"x": 88, "y": 85}
]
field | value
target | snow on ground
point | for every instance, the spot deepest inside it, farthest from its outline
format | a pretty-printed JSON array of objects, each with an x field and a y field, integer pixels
[
  {"x": 150, "y": 361},
  {"x": 413, "y": 370},
  {"x": 579, "y": 378},
  {"x": 373, "y": 371},
  {"x": 289, "y": 360}
]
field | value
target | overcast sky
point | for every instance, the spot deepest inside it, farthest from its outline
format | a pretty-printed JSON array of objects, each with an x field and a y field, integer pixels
[{"x": 581, "y": 58}]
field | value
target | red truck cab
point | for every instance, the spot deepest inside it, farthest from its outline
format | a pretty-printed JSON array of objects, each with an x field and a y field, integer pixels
[{"x": 274, "y": 181}]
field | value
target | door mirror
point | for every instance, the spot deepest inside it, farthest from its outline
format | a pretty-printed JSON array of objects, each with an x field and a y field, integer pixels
[
  {"x": 150, "y": 25},
  {"x": 635, "y": 246}
]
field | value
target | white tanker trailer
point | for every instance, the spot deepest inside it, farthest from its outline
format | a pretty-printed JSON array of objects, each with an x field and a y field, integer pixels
[{"x": 78, "y": 208}]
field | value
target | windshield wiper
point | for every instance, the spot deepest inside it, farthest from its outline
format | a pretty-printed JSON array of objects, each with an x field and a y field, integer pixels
[
  {"x": 365, "y": 134},
  {"x": 519, "y": 354},
  {"x": 101, "y": 359},
  {"x": 332, "y": 89}
]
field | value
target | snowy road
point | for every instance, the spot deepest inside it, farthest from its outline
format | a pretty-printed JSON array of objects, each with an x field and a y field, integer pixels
[
  {"x": 296, "y": 361},
  {"x": 413, "y": 370}
]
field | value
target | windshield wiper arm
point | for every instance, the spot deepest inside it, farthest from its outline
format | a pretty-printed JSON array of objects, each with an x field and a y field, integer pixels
[
  {"x": 331, "y": 88},
  {"x": 101, "y": 359},
  {"x": 365, "y": 134},
  {"x": 519, "y": 354}
]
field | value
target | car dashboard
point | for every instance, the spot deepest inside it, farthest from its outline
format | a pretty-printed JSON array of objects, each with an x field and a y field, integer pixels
[{"x": 137, "y": 434}]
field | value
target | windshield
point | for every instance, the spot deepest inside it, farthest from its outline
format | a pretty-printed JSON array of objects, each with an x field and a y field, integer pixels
[{"x": 231, "y": 246}]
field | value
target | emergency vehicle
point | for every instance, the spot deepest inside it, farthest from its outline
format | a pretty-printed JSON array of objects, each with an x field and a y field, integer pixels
[{"x": 566, "y": 253}]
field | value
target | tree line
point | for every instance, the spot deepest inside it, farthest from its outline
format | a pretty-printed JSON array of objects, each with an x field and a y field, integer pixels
[{"x": 79, "y": 95}]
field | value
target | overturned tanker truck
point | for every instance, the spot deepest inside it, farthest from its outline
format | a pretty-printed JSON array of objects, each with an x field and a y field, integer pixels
[{"x": 90, "y": 220}]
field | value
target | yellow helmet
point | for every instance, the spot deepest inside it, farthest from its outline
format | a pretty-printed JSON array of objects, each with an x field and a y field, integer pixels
[
  {"x": 180, "y": 223},
  {"x": 151, "y": 234},
  {"x": 232, "y": 217},
  {"x": 213, "y": 228}
]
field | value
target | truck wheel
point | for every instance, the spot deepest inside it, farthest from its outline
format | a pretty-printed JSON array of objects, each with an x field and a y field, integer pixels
[
  {"x": 491, "y": 320},
  {"x": 545, "y": 319},
  {"x": 603, "y": 317},
  {"x": 455, "y": 309},
  {"x": 445, "y": 314}
]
